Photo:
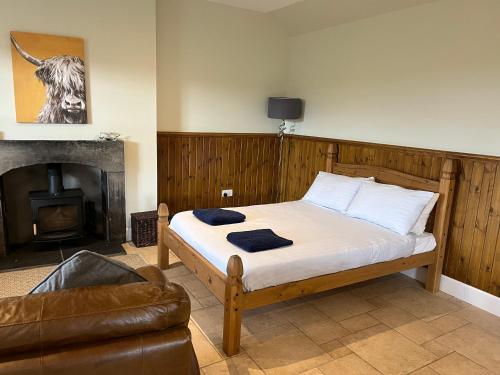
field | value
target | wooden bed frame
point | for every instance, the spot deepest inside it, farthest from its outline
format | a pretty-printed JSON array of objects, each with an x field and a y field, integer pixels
[{"x": 229, "y": 288}]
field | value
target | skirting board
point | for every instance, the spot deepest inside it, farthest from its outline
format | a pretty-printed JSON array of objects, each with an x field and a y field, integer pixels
[{"x": 462, "y": 291}]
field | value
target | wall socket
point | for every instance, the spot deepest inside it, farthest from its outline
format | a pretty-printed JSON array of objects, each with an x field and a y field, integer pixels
[{"x": 227, "y": 193}]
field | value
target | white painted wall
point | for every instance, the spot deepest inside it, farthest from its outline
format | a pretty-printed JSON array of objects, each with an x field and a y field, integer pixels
[
  {"x": 427, "y": 76},
  {"x": 216, "y": 67},
  {"x": 121, "y": 78}
]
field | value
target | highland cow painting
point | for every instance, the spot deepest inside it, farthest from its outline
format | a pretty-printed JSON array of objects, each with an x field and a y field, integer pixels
[{"x": 49, "y": 79}]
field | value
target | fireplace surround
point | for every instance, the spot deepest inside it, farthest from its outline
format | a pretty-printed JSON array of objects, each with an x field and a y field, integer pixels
[{"x": 108, "y": 157}]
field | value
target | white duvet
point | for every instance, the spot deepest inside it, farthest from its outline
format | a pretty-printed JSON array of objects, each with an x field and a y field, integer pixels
[{"x": 325, "y": 241}]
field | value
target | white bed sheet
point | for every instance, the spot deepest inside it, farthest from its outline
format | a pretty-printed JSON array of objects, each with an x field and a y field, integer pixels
[{"x": 325, "y": 241}]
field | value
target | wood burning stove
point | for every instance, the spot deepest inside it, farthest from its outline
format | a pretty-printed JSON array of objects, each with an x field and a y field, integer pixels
[{"x": 57, "y": 214}]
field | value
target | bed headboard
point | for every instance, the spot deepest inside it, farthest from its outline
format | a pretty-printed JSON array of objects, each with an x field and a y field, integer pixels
[
  {"x": 386, "y": 176},
  {"x": 445, "y": 186}
]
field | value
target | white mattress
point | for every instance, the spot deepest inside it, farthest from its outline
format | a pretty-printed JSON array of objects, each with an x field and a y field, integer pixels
[{"x": 325, "y": 241}]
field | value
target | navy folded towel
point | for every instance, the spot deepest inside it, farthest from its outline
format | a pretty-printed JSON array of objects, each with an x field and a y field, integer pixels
[
  {"x": 257, "y": 240},
  {"x": 218, "y": 216}
]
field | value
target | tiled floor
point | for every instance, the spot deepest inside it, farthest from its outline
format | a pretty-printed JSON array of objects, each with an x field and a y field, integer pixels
[{"x": 386, "y": 326}]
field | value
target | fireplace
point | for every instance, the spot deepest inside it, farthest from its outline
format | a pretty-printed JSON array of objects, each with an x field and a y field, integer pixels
[
  {"x": 61, "y": 203},
  {"x": 57, "y": 214}
]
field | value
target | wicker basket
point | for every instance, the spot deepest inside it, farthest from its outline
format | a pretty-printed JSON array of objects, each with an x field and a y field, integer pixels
[{"x": 144, "y": 228}]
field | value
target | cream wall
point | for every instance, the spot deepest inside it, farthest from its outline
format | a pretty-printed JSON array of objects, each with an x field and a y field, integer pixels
[
  {"x": 216, "y": 67},
  {"x": 427, "y": 76},
  {"x": 121, "y": 78}
]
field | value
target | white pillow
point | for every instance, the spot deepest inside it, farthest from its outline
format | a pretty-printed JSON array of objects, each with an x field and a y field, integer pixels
[
  {"x": 421, "y": 223},
  {"x": 389, "y": 206},
  {"x": 334, "y": 191}
]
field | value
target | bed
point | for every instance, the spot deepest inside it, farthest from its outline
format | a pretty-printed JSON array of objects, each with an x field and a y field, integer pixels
[{"x": 328, "y": 250}]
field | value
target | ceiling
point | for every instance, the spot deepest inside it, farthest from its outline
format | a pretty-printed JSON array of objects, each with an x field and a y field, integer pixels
[
  {"x": 311, "y": 15},
  {"x": 303, "y": 16},
  {"x": 263, "y": 6}
]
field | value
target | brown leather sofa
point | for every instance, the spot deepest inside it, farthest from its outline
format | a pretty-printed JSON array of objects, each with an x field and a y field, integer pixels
[{"x": 138, "y": 329}]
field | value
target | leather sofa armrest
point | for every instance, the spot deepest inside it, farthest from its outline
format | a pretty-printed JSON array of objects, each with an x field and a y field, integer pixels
[
  {"x": 153, "y": 274},
  {"x": 55, "y": 319}
]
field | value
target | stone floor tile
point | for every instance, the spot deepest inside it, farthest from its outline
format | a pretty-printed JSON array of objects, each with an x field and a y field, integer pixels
[
  {"x": 197, "y": 288},
  {"x": 387, "y": 350},
  {"x": 378, "y": 301},
  {"x": 385, "y": 285},
  {"x": 176, "y": 270},
  {"x": 323, "y": 331},
  {"x": 342, "y": 306},
  {"x": 419, "y": 331},
  {"x": 348, "y": 365},
  {"x": 336, "y": 349},
  {"x": 205, "y": 352},
  {"x": 263, "y": 321},
  {"x": 456, "y": 364},
  {"x": 436, "y": 348},
  {"x": 392, "y": 316},
  {"x": 314, "y": 371},
  {"x": 425, "y": 371},
  {"x": 448, "y": 323},
  {"x": 241, "y": 364},
  {"x": 303, "y": 314},
  {"x": 480, "y": 318},
  {"x": 476, "y": 344},
  {"x": 195, "y": 304},
  {"x": 211, "y": 322},
  {"x": 421, "y": 303},
  {"x": 209, "y": 301},
  {"x": 285, "y": 352},
  {"x": 359, "y": 322}
]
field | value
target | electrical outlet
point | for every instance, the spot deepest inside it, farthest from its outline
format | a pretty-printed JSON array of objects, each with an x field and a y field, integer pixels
[{"x": 227, "y": 193}]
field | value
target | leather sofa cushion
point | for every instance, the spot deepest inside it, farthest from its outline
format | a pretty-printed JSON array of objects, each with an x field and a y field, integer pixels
[
  {"x": 49, "y": 320},
  {"x": 157, "y": 353},
  {"x": 87, "y": 268}
]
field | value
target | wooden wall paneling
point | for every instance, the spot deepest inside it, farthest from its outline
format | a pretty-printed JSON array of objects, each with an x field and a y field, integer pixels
[
  {"x": 200, "y": 173},
  {"x": 217, "y": 186},
  {"x": 491, "y": 243},
  {"x": 306, "y": 159},
  {"x": 239, "y": 182},
  {"x": 458, "y": 217},
  {"x": 256, "y": 150},
  {"x": 494, "y": 285},
  {"x": 470, "y": 221},
  {"x": 193, "y": 168},
  {"x": 283, "y": 167},
  {"x": 481, "y": 223}
]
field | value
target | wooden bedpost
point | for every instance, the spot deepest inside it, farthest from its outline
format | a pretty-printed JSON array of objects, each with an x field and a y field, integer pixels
[
  {"x": 162, "y": 225},
  {"x": 332, "y": 156},
  {"x": 441, "y": 223},
  {"x": 233, "y": 306}
]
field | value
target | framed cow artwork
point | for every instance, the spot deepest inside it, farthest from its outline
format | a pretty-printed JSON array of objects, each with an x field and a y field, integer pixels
[{"x": 49, "y": 78}]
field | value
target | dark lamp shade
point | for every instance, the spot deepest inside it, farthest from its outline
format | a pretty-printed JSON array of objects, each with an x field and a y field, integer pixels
[{"x": 284, "y": 108}]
